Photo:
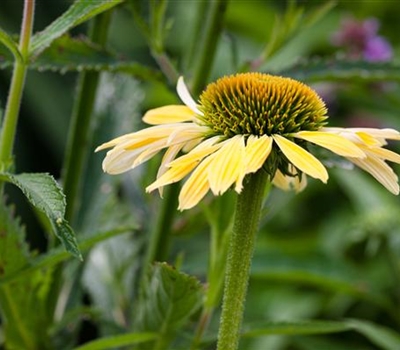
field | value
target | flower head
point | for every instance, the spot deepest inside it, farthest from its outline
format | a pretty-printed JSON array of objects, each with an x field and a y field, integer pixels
[{"x": 244, "y": 123}]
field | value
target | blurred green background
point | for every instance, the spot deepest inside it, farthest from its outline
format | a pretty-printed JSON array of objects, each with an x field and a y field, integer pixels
[{"x": 330, "y": 252}]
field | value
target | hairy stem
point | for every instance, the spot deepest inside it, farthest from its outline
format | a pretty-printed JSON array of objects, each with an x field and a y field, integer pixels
[{"x": 240, "y": 254}]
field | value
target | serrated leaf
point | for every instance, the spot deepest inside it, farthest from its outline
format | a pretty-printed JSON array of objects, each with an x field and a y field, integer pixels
[
  {"x": 79, "y": 12},
  {"x": 13, "y": 249},
  {"x": 10, "y": 44},
  {"x": 117, "y": 340},
  {"x": 44, "y": 193},
  {"x": 23, "y": 324},
  {"x": 72, "y": 54},
  {"x": 338, "y": 70},
  {"x": 170, "y": 298},
  {"x": 66, "y": 54}
]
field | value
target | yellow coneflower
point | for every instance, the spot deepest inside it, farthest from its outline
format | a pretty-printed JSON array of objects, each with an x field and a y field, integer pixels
[{"x": 243, "y": 123}]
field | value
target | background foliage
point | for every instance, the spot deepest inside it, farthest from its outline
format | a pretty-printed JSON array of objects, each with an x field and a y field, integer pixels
[{"x": 326, "y": 271}]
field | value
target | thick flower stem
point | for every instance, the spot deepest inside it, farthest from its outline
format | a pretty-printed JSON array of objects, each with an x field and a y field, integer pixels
[{"x": 239, "y": 258}]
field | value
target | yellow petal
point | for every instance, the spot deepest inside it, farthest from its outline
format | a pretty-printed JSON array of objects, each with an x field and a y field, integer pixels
[
  {"x": 380, "y": 171},
  {"x": 172, "y": 175},
  {"x": 143, "y": 137},
  {"x": 114, "y": 142},
  {"x": 335, "y": 143},
  {"x": 199, "y": 152},
  {"x": 369, "y": 140},
  {"x": 387, "y": 133},
  {"x": 257, "y": 151},
  {"x": 227, "y": 165},
  {"x": 196, "y": 187},
  {"x": 384, "y": 154},
  {"x": 168, "y": 114},
  {"x": 301, "y": 159}
]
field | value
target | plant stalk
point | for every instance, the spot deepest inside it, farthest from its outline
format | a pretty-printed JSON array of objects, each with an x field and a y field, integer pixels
[
  {"x": 80, "y": 130},
  {"x": 11, "y": 114},
  {"x": 240, "y": 253},
  {"x": 208, "y": 45}
]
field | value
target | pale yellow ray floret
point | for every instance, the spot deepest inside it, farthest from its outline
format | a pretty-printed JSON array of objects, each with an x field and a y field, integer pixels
[
  {"x": 257, "y": 152},
  {"x": 196, "y": 187},
  {"x": 301, "y": 159},
  {"x": 182, "y": 166},
  {"x": 381, "y": 171},
  {"x": 227, "y": 165},
  {"x": 169, "y": 114},
  {"x": 333, "y": 142}
]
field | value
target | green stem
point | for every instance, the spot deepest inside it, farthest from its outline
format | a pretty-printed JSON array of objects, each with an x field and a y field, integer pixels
[
  {"x": 240, "y": 254},
  {"x": 161, "y": 235},
  {"x": 80, "y": 129},
  {"x": 9, "y": 126},
  {"x": 208, "y": 45}
]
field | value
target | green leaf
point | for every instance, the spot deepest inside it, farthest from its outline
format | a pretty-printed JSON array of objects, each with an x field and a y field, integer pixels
[
  {"x": 66, "y": 54},
  {"x": 297, "y": 328},
  {"x": 339, "y": 70},
  {"x": 44, "y": 193},
  {"x": 58, "y": 255},
  {"x": 71, "y": 54},
  {"x": 384, "y": 337},
  {"x": 22, "y": 303},
  {"x": 117, "y": 340},
  {"x": 8, "y": 42},
  {"x": 79, "y": 12},
  {"x": 170, "y": 298},
  {"x": 13, "y": 249}
]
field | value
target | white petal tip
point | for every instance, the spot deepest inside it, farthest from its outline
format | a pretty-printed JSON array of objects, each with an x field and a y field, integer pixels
[{"x": 185, "y": 96}]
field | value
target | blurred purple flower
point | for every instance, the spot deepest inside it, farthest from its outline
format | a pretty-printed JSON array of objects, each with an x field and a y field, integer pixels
[
  {"x": 360, "y": 39},
  {"x": 377, "y": 49}
]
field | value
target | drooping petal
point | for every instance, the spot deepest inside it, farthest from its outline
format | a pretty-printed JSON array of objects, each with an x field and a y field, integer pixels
[
  {"x": 387, "y": 133},
  {"x": 384, "y": 154},
  {"x": 227, "y": 165},
  {"x": 117, "y": 161},
  {"x": 288, "y": 183},
  {"x": 136, "y": 148},
  {"x": 333, "y": 142},
  {"x": 196, "y": 187},
  {"x": 256, "y": 152},
  {"x": 168, "y": 114},
  {"x": 367, "y": 136},
  {"x": 199, "y": 152},
  {"x": 146, "y": 136},
  {"x": 185, "y": 96},
  {"x": 380, "y": 171},
  {"x": 182, "y": 166},
  {"x": 301, "y": 159},
  {"x": 169, "y": 155},
  {"x": 172, "y": 175}
]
